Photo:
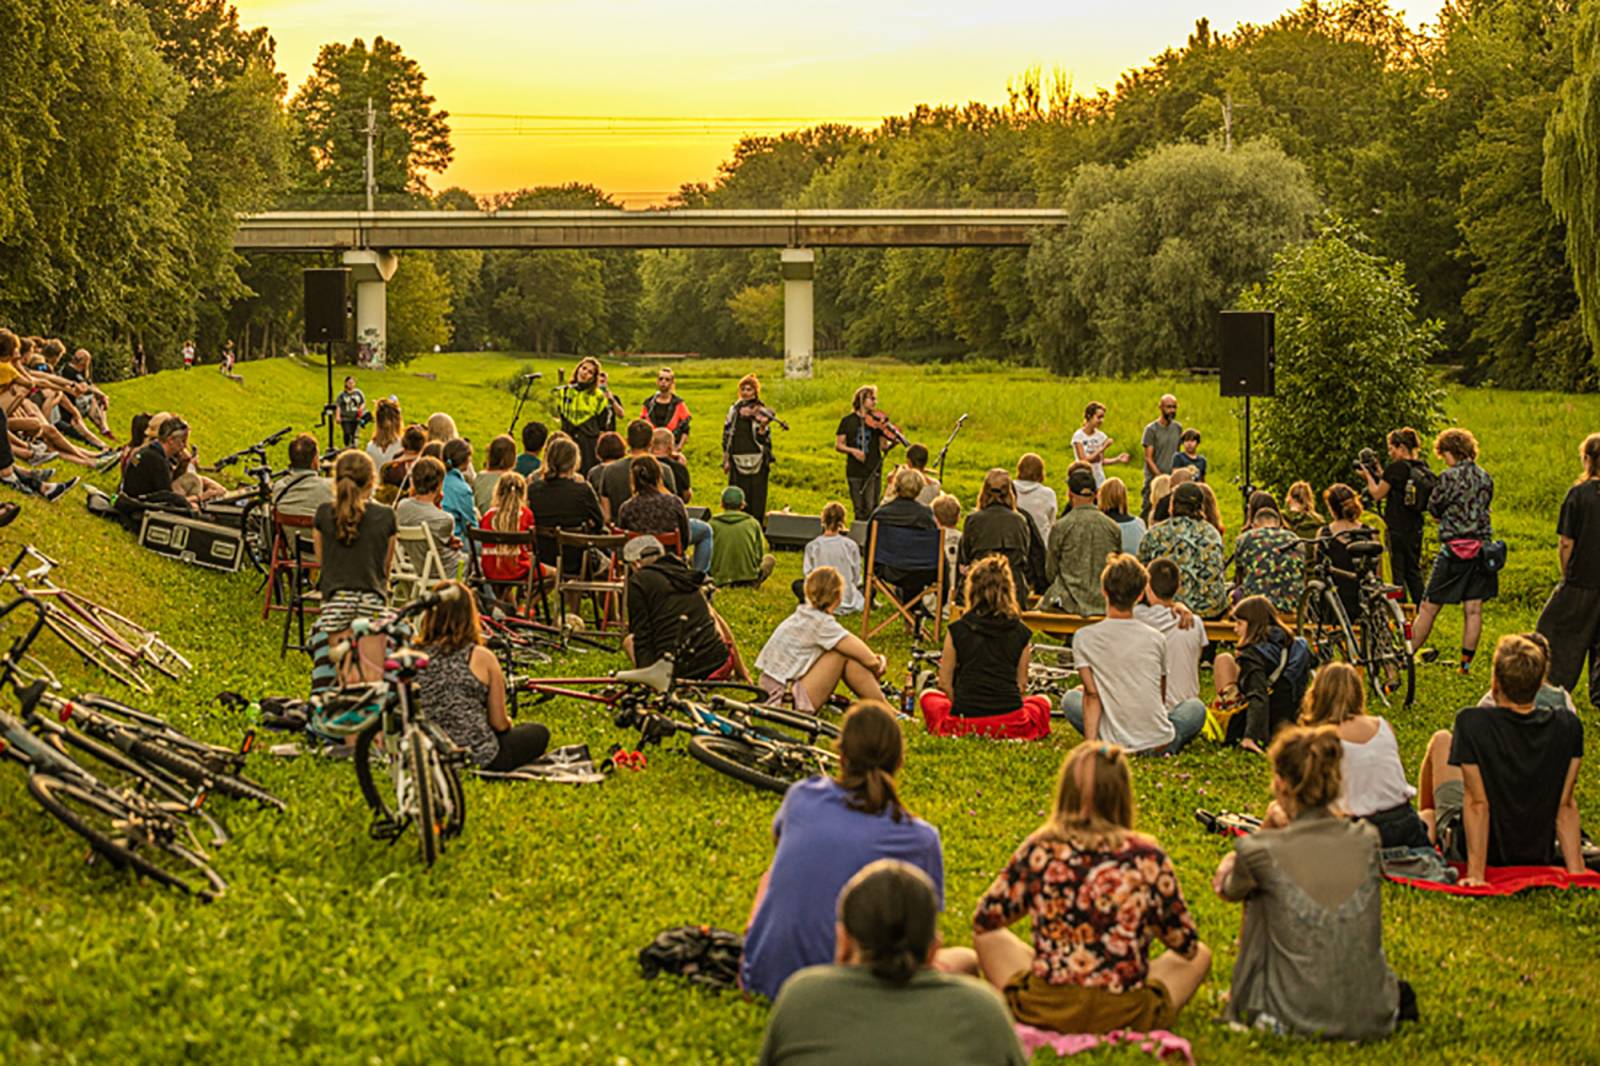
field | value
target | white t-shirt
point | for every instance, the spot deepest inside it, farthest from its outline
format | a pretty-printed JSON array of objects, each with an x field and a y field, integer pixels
[
  {"x": 798, "y": 642},
  {"x": 844, "y": 555},
  {"x": 383, "y": 455},
  {"x": 1090, "y": 442},
  {"x": 1183, "y": 650},
  {"x": 1128, "y": 660}
]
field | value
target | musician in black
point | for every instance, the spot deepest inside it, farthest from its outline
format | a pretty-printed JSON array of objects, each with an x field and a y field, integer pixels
[
  {"x": 747, "y": 446},
  {"x": 864, "y": 436}
]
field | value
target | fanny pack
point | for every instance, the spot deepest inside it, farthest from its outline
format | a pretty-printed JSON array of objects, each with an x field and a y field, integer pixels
[
  {"x": 1464, "y": 548},
  {"x": 749, "y": 463}
]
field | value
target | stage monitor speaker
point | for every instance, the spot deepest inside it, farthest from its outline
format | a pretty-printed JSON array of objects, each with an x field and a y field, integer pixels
[
  {"x": 792, "y": 532},
  {"x": 327, "y": 305},
  {"x": 1247, "y": 353}
]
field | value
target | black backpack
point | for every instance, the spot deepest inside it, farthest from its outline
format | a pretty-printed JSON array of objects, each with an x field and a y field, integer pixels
[
  {"x": 1419, "y": 486},
  {"x": 700, "y": 954}
]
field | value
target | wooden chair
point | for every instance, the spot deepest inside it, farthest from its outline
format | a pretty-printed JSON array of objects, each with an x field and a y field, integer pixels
[
  {"x": 669, "y": 541},
  {"x": 599, "y": 577},
  {"x": 911, "y": 551},
  {"x": 292, "y": 559},
  {"x": 416, "y": 566},
  {"x": 530, "y": 589}
]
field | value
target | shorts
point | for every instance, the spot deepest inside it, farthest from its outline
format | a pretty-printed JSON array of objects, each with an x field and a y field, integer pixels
[
  {"x": 1454, "y": 580},
  {"x": 1449, "y": 798},
  {"x": 776, "y": 691},
  {"x": 1075, "y": 1009}
]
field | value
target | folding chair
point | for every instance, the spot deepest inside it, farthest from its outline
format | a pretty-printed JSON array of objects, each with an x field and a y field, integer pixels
[
  {"x": 531, "y": 588},
  {"x": 416, "y": 566},
  {"x": 908, "y": 551},
  {"x": 293, "y": 558},
  {"x": 599, "y": 575},
  {"x": 668, "y": 541}
]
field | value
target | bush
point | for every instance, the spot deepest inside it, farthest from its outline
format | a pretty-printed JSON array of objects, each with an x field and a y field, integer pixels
[{"x": 1352, "y": 359}]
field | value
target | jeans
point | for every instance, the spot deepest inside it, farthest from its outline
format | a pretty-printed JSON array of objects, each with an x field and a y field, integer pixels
[
  {"x": 1188, "y": 718},
  {"x": 700, "y": 541}
]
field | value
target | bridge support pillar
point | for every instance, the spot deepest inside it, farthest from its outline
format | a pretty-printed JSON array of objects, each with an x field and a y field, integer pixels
[
  {"x": 799, "y": 330},
  {"x": 370, "y": 271}
]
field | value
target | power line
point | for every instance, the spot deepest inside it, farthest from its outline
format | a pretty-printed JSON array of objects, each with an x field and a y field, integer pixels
[{"x": 666, "y": 118}]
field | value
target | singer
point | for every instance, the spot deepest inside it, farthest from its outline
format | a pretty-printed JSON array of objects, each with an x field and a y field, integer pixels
[{"x": 586, "y": 408}]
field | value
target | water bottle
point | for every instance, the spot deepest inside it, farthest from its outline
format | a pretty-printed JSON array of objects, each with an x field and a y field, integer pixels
[{"x": 908, "y": 695}]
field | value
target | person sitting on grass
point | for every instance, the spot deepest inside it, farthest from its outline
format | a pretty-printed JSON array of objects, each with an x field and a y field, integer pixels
[
  {"x": 501, "y": 459},
  {"x": 1185, "y": 635},
  {"x": 1551, "y": 696},
  {"x": 354, "y": 540},
  {"x": 1112, "y": 498},
  {"x": 303, "y": 489},
  {"x": 1375, "y": 785},
  {"x": 1268, "y": 560},
  {"x": 1189, "y": 454},
  {"x": 1123, "y": 665},
  {"x": 534, "y": 436},
  {"x": 1097, "y": 893},
  {"x": 826, "y": 830},
  {"x": 92, "y": 404},
  {"x": 1197, "y": 549},
  {"x": 1267, "y": 672},
  {"x": 884, "y": 991},
  {"x": 983, "y": 671},
  {"x": 810, "y": 652},
  {"x": 833, "y": 547},
  {"x": 421, "y": 508},
  {"x": 653, "y": 508},
  {"x": 1311, "y": 960},
  {"x": 1498, "y": 789},
  {"x": 1079, "y": 544},
  {"x": 739, "y": 555},
  {"x": 147, "y": 481},
  {"x": 464, "y": 689},
  {"x": 668, "y": 614}
]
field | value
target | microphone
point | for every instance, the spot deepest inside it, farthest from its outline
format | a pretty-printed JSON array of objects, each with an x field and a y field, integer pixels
[
  {"x": 532, "y": 377},
  {"x": 961, "y": 420}
]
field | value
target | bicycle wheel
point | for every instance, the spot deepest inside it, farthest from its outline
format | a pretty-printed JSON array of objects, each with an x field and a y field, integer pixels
[
  {"x": 1391, "y": 666},
  {"x": 1320, "y": 621},
  {"x": 125, "y": 837},
  {"x": 255, "y": 523},
  {"x": 213, "y": 756},
  {"x": 157, "y": 754},
  {"x": 772, "y": 767},
  {"x": 808, "y": 724},
  {"x": 173, "y": 799},
  {"x": 366, "y": 759},
  {"x": 422, "y": 763}
]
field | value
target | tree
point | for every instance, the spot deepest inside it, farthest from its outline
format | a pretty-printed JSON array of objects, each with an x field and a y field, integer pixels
[
  {"x": 419, "y": 308},
  {"x": 1572, "y": 167},
  {"x": 330, "y": 116},
  {"x": 759, "y": 311},
  {"x": 1352, "y": 359}
]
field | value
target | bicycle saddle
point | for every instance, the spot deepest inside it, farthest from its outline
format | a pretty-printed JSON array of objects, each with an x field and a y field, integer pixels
[
  {"x": 657, "y": 676},
  {"x": 1364, "y": 549}
]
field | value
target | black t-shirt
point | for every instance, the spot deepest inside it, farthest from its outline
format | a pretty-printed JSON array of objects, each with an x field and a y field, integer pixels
[
  {"x": 987, "y": 652},
  {"x": 565, "y": 503},
  {"x": 677, "y": 474},
  {"x": 1402, "y": 520},
  {"x": 358, "y": 566},
  {"x": 1523, "y": 759},
  {"x": 1338, "y": 550},
  {"x": 857, "y": 434},
  {"x": 148, "y": 472},
  {"x": 1580, "y": 520}
]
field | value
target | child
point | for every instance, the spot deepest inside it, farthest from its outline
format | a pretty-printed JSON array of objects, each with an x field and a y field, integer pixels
[
  {"x": 810, "y": 652},
  {"x": 1189, "y": 454},
  {"x": 833, "y": 548},
  {"x": 947, "y": 512},
  {"x": 188, "y": 354},
  {"x": 510, "y": 514}
]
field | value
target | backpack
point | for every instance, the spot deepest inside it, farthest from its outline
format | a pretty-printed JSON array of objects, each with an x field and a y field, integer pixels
[
  {"x": 1419, "y": 486},
  {"x": 1294, "y": 670},
  {"x": 700, "y": 954}
]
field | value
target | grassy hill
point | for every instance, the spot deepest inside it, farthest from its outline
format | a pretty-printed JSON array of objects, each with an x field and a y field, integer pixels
[{"x": 520, "y": 944}]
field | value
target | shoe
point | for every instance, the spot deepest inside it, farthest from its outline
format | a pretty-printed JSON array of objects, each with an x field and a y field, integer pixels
[
  {"x": 768, "y": 563},
  {"x": 40, "y": 453},
  {"x": 20, "y": 484},
  {"x": 106, "y": 461},
  {"x": 9, "y": 512},
  {"x": 1464, "y": 669},
  {"x": 37, "y": 475},
  {"x": 1427, "y": 655},
  {"x": 54, "y": 490}
]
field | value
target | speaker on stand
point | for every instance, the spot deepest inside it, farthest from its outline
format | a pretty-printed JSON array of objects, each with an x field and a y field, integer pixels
[
  {"x": 1249, "y": 366},
  {"x": 327, "y": 315}
]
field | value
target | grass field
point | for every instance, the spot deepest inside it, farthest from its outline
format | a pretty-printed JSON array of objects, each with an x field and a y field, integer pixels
[{"x": 520, "y": 944}]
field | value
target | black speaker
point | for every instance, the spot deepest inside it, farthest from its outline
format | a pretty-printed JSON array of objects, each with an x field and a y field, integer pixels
[
  {"x": 1247, "y": 353},
  {"x": 327, "y": 305}
]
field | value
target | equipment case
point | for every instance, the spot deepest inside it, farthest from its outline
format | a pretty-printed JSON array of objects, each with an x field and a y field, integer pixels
[{"x": 190, "y": 540}]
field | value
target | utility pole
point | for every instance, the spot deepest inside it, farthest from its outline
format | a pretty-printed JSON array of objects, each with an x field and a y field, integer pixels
[{"x": 372, "y": 133}]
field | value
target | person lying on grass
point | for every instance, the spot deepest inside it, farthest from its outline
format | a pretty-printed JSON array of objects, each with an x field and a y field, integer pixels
[
  {"x": 464, "y": 690},
  {"x": 1311, "y": 958},
  {"x": 810, "y": 652},
  {"x": 883, "y": 1000},
  {"x": 1498, "y": 789},
  {"x": 826, "y": 830},
  {"x": 833, "y": 547},
  {"x": 1097, "y": 893}
]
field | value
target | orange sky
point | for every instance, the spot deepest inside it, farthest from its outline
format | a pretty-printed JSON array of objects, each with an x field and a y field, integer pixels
[{"x": 639, "y": 97}]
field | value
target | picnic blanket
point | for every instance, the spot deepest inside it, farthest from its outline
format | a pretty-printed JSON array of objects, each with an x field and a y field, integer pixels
[
  {"x": 1508, "y": 880},
  {"x": 1157, "y": 1042}
]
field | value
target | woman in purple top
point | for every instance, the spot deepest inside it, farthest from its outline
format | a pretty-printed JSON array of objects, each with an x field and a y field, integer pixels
[{"x": 827, "y": 829}]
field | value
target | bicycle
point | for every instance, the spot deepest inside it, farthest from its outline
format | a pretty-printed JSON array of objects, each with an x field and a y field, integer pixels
[
  {"x": 1378, "y": 640},
  {"x": 250, "y": 510},
  {"x": 120, "y": 825}
]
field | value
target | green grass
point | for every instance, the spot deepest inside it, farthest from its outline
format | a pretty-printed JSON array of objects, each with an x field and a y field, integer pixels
[{"x": 520, "y": 944}]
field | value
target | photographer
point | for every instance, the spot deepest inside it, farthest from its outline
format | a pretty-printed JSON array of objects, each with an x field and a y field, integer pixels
[{"x": 1403, "y": 488}]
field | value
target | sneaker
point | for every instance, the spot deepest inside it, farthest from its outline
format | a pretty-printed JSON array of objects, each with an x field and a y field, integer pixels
[
  {"x": 20, "y": 484},
  {"x": 1427, "y": 655},
  {"x": 106, "y": 460},
  {"x": 39, "y": 453},
  {"x": 54, "y": 490},
  {"x": 37, "y": 475},
  {"x": 768, "y": 563},
  {"x": 8, "y": 513}
]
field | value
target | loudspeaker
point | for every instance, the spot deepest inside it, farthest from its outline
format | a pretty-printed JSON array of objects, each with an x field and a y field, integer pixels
[
  {"x": 327, "y": 305},
  {"x": 792, "y": 532},
  {"x": 1247, "y": 353}
]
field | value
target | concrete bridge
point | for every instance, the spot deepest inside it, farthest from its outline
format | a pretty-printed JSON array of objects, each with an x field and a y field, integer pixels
[{"x": 367, "y": 241}]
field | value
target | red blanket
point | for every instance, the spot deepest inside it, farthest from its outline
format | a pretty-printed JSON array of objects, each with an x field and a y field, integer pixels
[{"x": 1509, "y": 880}]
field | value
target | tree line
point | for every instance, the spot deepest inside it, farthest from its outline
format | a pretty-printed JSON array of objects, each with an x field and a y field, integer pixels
[{"x": 1467, "y": 155}]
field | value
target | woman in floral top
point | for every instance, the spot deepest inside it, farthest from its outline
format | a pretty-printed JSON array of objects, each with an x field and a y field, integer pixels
[
  {"x": 1097, "y": 894},
  {"x": 1191, "y": 542},
  {"x": 1460, "y": 501}
]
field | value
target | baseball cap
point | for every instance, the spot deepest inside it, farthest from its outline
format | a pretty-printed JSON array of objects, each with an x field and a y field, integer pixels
[
  {"x": 1081, "y": 483},
  {"x": 1189, "y": 496},
  {"x": 733, "y": 496},
  {"x": 640, "y": 548}
]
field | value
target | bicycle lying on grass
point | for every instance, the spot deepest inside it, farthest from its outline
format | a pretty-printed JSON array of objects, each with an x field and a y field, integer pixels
[{"x": 1377, "y": 640}]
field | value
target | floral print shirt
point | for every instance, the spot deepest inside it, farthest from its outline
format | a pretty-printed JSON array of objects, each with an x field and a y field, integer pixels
[
  {"x": 1196, "y": 547},
  {"x": 1460, "y": 501},
  {"x": 1268, "y": 562},
  {"x": 1094, "y": 911}
]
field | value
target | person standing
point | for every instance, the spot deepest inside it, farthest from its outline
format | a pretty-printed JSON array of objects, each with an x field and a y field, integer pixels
[
  {"x": 1570, "y": 621},
  {"x": 665, "y": 410},
  {"x": 747, "y": 447},
  {"x": 1160, "y": 446},
  {"x": 1403, "y": 488},
  {"x": 1090, "y": 443},
  {"x": 863, "y": 444},
  {"x": 352, "y": 403},
  {"x": 586, "y": 408},
  {"x": 188, "y": 354},
  {"x": 1461, "y": 502}
]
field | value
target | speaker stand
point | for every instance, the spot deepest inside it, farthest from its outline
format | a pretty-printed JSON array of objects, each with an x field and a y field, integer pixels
[
  {"x": 1247, "y": 488},
  {"x": 329, "y": 408}
]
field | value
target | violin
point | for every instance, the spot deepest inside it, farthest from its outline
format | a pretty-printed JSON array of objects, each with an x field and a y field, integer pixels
[
  {"x": 876, "y": 419},
  {"x": 761, "y": 412}
]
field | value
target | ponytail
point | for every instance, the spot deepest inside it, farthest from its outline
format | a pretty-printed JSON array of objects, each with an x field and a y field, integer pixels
[
  {"x": 1309, "y": 762},
  {"x": 1589, "y": 452},
  {"x": 890, "y": 910},
  {"x": 352, "y": 487},
  {"x": 871, "y": 750}
]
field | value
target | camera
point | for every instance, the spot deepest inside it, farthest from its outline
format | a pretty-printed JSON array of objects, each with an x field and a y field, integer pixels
[{"x": 1368, "y": 460}]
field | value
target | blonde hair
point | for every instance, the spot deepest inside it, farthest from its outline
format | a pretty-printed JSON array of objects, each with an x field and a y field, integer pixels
[
  {"x": 833, "y": 516},
  {"x": 1336, "y": 695},
  {"x": 441, "y": 427},
  {"x": 990, "y": 589},
  {"x": 1301, "y": 498},
  {"x": 1160, "y": 489},
  {"x": 1113, "y": 496},
  {"x": 861, "y": 396},
  {"x": 1309, "y": 762},
  {"x": 509, "y": 493},
  {"x": 353, "y": 475},
  {"x": 908, "y": 484},
  {"x": 824, "y": 588},
  {"x": 1094, "y": 804},
  {"x": 1520, "y": 666},
  {"x": 946, "y": 510}
]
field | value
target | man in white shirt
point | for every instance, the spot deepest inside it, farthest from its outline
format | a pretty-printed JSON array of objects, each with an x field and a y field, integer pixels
[
  {"x": 1123, "y": 664},
  {"x": 1185, "y": 635}
]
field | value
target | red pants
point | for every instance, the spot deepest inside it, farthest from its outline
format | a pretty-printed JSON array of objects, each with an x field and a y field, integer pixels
[{"x": 1031, "y": 722}]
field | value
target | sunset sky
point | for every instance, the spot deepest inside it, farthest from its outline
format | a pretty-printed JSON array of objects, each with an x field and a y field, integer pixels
[{"x": 639, "y": 97}]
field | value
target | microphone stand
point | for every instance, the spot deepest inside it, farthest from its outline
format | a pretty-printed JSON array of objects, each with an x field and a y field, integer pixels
[
  {"x": 522, "y": 398},
  {"x": 948, "y": 441}
]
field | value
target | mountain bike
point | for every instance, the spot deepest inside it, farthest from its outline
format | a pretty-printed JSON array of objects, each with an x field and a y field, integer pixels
[
  {"x": 250, "y": 510},
  {"x": 1377, "y": 640}
]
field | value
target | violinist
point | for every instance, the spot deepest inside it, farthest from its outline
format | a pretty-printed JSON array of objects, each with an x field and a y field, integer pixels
[
  {"x": 747, "y": 446},
  {"x": 864, "y": 435}
]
